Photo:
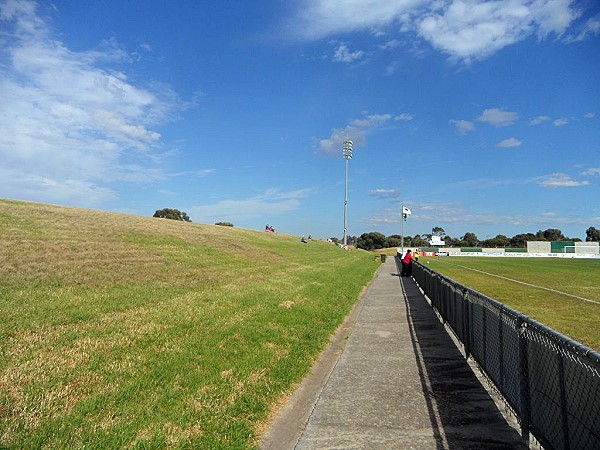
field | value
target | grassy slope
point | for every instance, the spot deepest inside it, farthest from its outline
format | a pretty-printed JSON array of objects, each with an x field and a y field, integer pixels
[
  {"x": 575, "y": 318},
  {"x": 123, "y": 331}
]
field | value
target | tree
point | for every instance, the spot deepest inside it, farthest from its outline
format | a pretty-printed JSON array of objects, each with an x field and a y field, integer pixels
[
  {"x": 470, "y": 239},
  {"x": 520, "y": 240},
  {"x": 371, "y": 241},
  {"x": 438, "y": 231},
  {"x": 452, "y": 242},
  {"x": 416, "y": 241},
  {"x": 394, "y": 241},
  {"x": 592, "y": 235},
  {"x": 499, "y": 241},
  {"x": 174, "y": 214},
  {"x": 552, "y": 234}
]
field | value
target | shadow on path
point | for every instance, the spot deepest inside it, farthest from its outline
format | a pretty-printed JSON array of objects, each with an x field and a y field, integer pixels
[{"x": 462, "y": 413}]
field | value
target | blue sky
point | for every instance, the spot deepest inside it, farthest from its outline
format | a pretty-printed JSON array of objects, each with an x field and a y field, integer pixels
[{"x": 480, "y": 116}]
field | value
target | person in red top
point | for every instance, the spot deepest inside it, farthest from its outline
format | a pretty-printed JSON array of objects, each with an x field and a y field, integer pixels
[{"x": 407, "y": 264}]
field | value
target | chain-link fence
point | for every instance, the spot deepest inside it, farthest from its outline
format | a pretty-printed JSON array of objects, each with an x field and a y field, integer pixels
[{"x": 551, "y": 382}]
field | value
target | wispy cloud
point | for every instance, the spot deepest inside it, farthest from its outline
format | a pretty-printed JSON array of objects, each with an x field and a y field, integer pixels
[
  {"x": 558, "y": 180},
  {"x": 561, "y": 122},
  {"x": 592, "y": 171},
  {"x": 356, "y": 130},
  {"x": 70, "y": 123},
  {"x": 510, "y": 142},
  {"x": 455, "y": 213},
  {"x": 588, "y": 30},
  {"x": 269, "y": 204},
  {"x": 385, "y": 193},
  {"x": 463, "y": 126},
  {"x": 539, "y": 120},
  {"x": 343, "y": 54}
]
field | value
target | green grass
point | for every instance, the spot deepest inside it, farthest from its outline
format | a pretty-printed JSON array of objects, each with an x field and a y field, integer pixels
[
  {"x": 391, "y": 251},
  {"x": 570, "y": 316},
  {"x": 120, "y": 331}
]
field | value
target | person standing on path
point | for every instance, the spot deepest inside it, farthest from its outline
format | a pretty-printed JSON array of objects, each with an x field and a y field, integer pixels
[{"x": 407, "y": 264}]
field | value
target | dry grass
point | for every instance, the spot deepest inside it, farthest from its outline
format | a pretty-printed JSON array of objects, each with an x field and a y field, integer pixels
[{"x": 129, "y": 332}]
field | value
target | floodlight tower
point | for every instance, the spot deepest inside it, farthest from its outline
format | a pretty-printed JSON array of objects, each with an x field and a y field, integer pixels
[{"x": 347, "y": 151}]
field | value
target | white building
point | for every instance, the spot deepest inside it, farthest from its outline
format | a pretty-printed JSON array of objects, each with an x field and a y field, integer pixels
[{"x": 436, "y": 241}]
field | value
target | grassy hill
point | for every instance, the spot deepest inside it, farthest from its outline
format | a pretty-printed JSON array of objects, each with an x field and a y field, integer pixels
[{"x": 120, "y": 331}]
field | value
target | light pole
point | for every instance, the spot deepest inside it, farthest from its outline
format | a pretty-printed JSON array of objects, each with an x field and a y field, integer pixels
[{"x": 347, "y": 151}]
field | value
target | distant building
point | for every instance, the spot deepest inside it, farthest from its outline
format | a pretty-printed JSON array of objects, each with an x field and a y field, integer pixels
[{"x": 436, "y": 241}]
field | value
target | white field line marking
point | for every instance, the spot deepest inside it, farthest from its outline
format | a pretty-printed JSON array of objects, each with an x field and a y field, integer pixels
[{"x": 526, "y": 284}]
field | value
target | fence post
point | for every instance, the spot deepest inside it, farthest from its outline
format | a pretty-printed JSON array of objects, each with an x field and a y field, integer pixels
[
  {"x": 443, "y": 301},
  {"x": 563, "y": 401},
  {"x": 523, "y": 379},
  {"x": 484, "y": 337},
  {"x": 501, "y": 349},
  {"x": 467, "y": 323}
]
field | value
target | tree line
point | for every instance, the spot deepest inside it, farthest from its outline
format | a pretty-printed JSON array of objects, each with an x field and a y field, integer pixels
[{"x": 375, "y": 240}]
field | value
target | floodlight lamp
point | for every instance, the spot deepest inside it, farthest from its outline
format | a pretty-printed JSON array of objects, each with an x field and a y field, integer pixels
[{"x": 347, "y": 149}]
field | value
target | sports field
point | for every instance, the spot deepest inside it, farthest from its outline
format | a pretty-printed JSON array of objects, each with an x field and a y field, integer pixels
[{"x": 561, "y": 293}]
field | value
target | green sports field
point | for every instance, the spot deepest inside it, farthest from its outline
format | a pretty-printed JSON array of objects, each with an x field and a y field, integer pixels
[{"x": 561, "y": 293}]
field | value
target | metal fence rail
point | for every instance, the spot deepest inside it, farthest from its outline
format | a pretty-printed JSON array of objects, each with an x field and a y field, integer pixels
[{"x": 551, "y": 382}]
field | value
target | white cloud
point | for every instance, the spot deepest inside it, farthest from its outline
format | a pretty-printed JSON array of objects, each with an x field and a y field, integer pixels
[
  {"x": 356, "y": 131},
  {"x": 510, "y": 142},
  {"x": 552, "y": 16},
  {"x": 404, "y": 117},
  {"x": 463, "y": 126},
  {"x": 561, "y": 122},
  {"x": 271, "y": 203},
  {"x": 332, "y": 146},
  {"x": 467, "y": 29},
  {"x": 590, "y": 115},
  {"x": 498, "y": 117},
  {"x": 343, "y": 54},
  {"x": 557, "y": 180},
  {"x": 72, "y": 191},
  {"x": 371, "y": 121},
  {"x": 538, "y": 120},
  {"x": 320, "y": 18},
  {"x": 463, "y": 29},
  {"x": 70, "y": 123}
]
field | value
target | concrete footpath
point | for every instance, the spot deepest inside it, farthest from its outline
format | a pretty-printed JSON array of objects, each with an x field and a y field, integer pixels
[{"x": 392, "y": 378}]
